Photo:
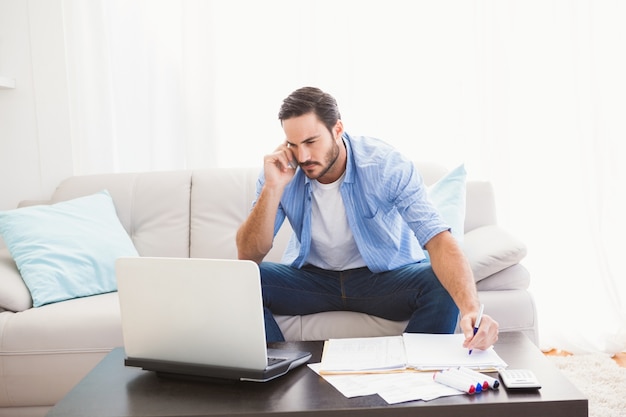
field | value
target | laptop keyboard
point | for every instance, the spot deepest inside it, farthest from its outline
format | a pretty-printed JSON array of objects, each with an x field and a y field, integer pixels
[{"x": 274, "y": 361}]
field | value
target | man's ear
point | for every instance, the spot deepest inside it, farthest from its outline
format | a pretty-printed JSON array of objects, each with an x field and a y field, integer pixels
[{"x": 338, "y": 129}]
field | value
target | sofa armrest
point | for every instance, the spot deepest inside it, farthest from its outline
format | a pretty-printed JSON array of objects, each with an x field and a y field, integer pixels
[
  {"x": 514, "y": 277},
  {"x": 14, "y": 295},
  {"x": 490, "y": 249}
]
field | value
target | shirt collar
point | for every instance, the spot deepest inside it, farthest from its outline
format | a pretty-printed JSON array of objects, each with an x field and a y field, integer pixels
[{"x": 349, "y": 159}]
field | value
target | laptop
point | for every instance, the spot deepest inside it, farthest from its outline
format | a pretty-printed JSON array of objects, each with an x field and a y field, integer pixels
[{"x": 198, "y": 318}]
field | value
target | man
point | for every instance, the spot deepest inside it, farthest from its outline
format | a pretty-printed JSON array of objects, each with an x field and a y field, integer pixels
[{"x": 361, "y": 219}]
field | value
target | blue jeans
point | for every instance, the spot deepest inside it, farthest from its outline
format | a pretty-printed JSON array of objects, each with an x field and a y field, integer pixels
[{"x": 412, "y": 293}]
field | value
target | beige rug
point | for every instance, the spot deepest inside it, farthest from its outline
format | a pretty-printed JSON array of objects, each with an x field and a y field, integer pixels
[{"x": 600, "y": 379}]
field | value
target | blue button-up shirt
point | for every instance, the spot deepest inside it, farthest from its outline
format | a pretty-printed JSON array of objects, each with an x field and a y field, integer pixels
[{"x": 386, "y": 205}]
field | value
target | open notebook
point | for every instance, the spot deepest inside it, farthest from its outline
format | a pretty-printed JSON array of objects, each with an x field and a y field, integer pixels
[
  {"x": 197, "y": 317},
  {"x": 416, "y": 351}
]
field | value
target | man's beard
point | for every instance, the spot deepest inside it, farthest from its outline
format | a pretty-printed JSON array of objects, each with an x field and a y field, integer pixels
[{"x": 331, "y": 158}]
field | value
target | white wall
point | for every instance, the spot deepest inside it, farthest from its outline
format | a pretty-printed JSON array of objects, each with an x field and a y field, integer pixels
[{"x": 35, "y": 142}]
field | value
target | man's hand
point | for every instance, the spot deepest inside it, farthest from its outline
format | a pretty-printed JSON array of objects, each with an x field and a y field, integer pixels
[
  {"x": 279, "y": 166},
  {"x": 256, "y": 234},
  {"x": 487, "y": 333}
]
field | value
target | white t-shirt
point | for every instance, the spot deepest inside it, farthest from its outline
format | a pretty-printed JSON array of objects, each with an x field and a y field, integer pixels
[{"x": 332, "y": 244}]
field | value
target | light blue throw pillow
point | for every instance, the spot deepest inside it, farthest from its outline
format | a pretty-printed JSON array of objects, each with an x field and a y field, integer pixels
[
  {"x": 68, "y": 249},
  {"x": 448, "y": 196}
]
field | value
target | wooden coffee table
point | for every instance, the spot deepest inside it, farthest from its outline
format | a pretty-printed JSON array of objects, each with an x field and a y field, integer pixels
[{"x": 114, "y": 390}]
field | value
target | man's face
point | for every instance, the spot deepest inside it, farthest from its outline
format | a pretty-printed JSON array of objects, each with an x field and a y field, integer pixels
[{"x": 320, "y": 153}]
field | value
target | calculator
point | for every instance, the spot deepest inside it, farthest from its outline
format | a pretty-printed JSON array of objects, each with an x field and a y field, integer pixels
[{"x": 519, "y": 379}]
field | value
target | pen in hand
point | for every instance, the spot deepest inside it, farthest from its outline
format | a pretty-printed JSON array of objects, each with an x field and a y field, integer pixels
[{"x": 477, "y": 322}]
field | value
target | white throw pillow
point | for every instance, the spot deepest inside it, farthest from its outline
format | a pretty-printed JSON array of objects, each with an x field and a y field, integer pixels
[{"x": 490, "y": 249}]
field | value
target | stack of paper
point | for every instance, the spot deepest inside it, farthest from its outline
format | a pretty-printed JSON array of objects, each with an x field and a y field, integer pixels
[{"x": 411, "y": 351}]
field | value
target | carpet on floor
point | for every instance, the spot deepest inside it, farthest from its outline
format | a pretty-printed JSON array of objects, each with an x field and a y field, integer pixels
[{"x": 598, "y": 377}]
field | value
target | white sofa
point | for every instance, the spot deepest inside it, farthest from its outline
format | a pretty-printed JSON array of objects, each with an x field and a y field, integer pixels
[{"x": 45, "y": 351}]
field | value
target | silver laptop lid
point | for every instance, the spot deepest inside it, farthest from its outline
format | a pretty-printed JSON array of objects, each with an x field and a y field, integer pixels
[{"x": 191, "y": 310}]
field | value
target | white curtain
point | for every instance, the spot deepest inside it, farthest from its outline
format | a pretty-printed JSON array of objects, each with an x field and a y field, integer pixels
[{"x": 529, "y": 94}]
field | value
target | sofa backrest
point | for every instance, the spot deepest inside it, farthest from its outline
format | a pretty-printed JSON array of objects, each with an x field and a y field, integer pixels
[
  {"x": 197, "y": 213},
  {"x": 153, "y": 207}
]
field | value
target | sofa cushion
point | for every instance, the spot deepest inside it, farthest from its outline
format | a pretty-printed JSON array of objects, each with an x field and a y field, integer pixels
[
  {"x": 152, "y": 206},
  {"x": 48, "y": 350},
  {"x": 337, "y": 324},
  {"x": 220, "y": 201},
  {"x": 14, "y": 295},
  {"x": 448, "y": 196},
  {"x": 490, "y": 249},
  {"x": 480, "y": 205},
  {"x": 67, "y": 250}
]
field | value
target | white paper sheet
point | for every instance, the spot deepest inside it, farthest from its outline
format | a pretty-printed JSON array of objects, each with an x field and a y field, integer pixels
[
  {"x": 442, "y": 351},
  {"x": 395, "y": 387},
  {"x": 364, "y": 353}
]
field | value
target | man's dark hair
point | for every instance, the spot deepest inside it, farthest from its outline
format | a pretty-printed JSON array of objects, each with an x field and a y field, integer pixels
[{"x": 311, "y": 99}]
